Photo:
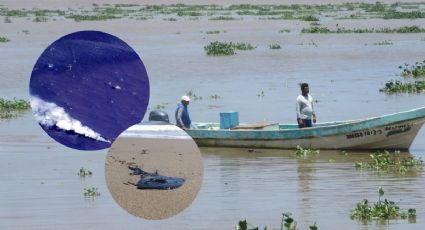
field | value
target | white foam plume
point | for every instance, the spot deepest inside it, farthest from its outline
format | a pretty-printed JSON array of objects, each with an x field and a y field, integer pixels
[{"x": 50, "y": 114}]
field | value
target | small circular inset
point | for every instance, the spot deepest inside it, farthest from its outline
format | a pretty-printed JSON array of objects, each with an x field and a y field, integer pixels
[
  {"x": 86, "y": 88},
  {"x": 154, "y": 170}
]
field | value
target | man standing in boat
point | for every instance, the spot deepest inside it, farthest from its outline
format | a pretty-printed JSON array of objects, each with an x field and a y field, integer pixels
[
  {"x": 305, "y": 110},
  {"x": 182, "y": 114}
]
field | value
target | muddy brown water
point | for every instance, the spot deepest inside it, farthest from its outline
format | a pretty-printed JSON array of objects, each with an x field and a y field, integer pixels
[{"x": 40, "y": 188}]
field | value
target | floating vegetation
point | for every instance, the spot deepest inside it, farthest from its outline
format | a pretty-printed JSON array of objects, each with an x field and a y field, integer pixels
[
  {"x": 79, "y": 18},
  {"x": 7, "y": 20},
  {"x": 304, "y": 12},
  {"x": 84, "y": 172},
  {"x": 191, "y": 94},
  {"x": 284, "y": 31},
  {"x": 161, "y": 106},
  {"x": 383, "y": 43},
  {"x": 305, "y": 152},
  {"x": 40, "y": 19},
  {"x": 309, "y": 18},
  {"x": 242, "y": 46},
  {"x": 261, "y": 94},
  {"x": 342, "y": 30},
  {"x": 287, "y": 223},
  {"x": 15, "y": 104},
  {"x": 223, "y": 18},
  {"x": 213, "y": 32},
  {"x": 189, "y": 13},
  {"x": 404, "y": 15},
  {"x": 396, "y": 86},
  {"x": 391, "y": 162},
  {"x": 170, "y": 19},
  {"x": 381, "y": 210},
  {"x": 219, "y": 49},
  {"x": 274, "y": 46},
  {"x": 91, "y": 192},
  {"x": 4, "y": 39},
  {"x": 416, "y": 70},
  {"x": 215, "y": 96}
]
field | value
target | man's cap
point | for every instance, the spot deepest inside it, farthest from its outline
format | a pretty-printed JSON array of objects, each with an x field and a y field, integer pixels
[{"x": 185, "y": 98}]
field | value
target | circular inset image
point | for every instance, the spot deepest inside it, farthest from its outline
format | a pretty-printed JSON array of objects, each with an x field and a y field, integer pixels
[
  {"x": 154, "y": 170},
  {"x": 88, "y": 87}
]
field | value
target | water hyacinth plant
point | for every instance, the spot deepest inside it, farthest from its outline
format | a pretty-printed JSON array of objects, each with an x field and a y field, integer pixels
[
  {"x": 274, "y": 46},
  {"x": 84, "y": 172},
  {"x": 219, "y": 49},
  {"x": 15, "y": 104},
  {"x": 383, "y": 43},
  {"x": 4, "y": 39},
  {"x": 391, "y": 162},
  {"x": 305, "y": 152},
  {"x": 91, "y": 192},
  {"x": 226, "y": 48},
  {"x": 381, "y": 210},
  {"x": 416, "y": 70},
  {"x": 342, "y": 30},
  {"x": 287, "y": 223},
  {"x": 396, "y": 86},
  {"x": 242, "y": 46},
  {"x": 10, "y": 109}
]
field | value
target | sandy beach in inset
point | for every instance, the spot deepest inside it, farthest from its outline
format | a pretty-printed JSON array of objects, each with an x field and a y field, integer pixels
[{"x": 169, "y": 157}]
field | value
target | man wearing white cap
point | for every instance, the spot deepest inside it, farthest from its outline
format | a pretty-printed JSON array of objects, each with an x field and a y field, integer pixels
[{"x": 182, "y": 114}]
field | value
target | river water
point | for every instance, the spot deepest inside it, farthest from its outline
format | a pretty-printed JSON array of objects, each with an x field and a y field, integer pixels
[{"x": 40, "y": 188}]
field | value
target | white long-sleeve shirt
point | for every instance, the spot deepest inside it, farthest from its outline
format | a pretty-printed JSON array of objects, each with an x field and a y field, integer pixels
[{"x": 305, "y": 109}]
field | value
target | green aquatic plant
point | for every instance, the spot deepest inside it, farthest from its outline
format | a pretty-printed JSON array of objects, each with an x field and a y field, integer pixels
[
  {"x": 223, "y": 18},
  {"x": 384, "y": 161},
  {"x": 91, "y": 192},
  {"x": 416, "y": 70},
  {"x": 101, "y": 17},
  {"x": 15, "y": 104},
  {"x": 381, "y": 210},
  {"x": 305, "y": 152},
  {"x": 170, "y": 19},
  {"x": 284, "y": 31},
  {"x": 242, "y": 46},
  {"x": 219, "y": 48},
  {"x": 192, "y": 94},
  {"x": 84, "y": 172},
  {"x": 396, "y": 86},
  {"x": 4, "y": 39},
  {"x": 261, "y": 94},
  {"x": 393, "y": 14},
  {"x": 287, "y": 223},
  {"x": 274, "y": 46},
  {"x": 213, "y": 32},
  {"x": 215, "y": 96},
  {"x": 342, "y": 30},
  {"x": 383, "y": 43},
  {"x": 309, "y": 18}
]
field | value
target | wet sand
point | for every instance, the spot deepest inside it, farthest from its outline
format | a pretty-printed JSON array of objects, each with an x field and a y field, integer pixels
[{"x": 169, "y": 157}]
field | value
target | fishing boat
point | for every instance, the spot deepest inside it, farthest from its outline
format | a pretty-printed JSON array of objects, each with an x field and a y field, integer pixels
[{"x": 393, "y": 131}]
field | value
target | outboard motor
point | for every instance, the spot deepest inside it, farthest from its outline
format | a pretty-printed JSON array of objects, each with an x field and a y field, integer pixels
[{"x": 158, "y": 115}]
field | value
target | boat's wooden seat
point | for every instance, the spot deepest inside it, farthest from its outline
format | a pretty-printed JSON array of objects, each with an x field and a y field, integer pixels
[{"x": 258, "y": 125}]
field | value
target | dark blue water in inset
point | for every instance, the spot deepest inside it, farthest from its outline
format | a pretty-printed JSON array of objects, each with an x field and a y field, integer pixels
[{"x": 98, "y": 80}]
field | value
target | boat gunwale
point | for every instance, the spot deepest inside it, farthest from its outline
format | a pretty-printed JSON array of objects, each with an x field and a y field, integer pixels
[{"x": 311, "y": 132}]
